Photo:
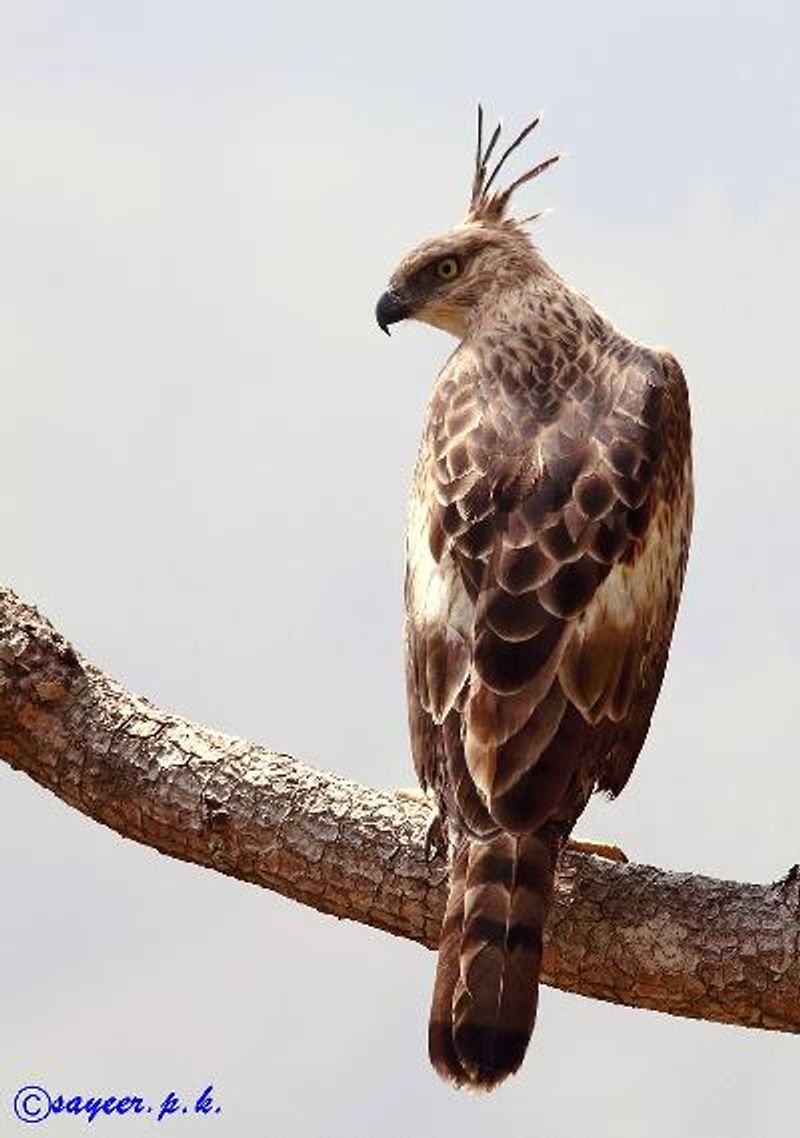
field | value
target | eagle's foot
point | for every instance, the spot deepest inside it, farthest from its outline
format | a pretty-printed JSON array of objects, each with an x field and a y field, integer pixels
[
  {"x": 599, "y": 849},
  {"x": 414, "y": 794},
  {"x": 435, "y": 837}
]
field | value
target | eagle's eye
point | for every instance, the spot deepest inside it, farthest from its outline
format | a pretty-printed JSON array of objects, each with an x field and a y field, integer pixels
[{"x": 448, "y": 269}]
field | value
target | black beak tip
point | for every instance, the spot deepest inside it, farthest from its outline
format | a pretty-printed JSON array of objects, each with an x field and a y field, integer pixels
[{"x": 389, "y": 310}]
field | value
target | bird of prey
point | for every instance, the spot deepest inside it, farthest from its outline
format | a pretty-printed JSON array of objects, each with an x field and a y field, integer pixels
[{"x": 548, "y": 533}]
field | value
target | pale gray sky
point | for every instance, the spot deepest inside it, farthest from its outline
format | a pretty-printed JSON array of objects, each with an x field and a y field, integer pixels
[{"x": 199, "y": 204}]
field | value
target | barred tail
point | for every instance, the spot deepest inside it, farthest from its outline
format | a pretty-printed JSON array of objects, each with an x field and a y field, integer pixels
[{"x": 490, "y": 954}]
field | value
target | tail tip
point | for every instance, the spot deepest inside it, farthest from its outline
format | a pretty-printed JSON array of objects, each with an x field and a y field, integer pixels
[
  {"x": 475, "y": 1058},
  {"x": 487, "y": 1055}
]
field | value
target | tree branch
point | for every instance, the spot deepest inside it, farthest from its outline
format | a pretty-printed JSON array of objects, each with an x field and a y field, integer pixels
[{"x": 630, "y": 934}]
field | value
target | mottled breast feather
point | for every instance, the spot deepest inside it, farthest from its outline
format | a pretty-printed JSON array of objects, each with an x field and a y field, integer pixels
[{"x": 548, "y": 532}]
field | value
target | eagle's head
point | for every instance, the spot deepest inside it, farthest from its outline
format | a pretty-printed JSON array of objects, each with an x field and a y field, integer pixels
[{"x": 446, "y": 280}]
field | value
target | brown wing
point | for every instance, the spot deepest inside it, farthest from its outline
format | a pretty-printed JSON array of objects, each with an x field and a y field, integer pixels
[{"x": 556, "y": 552}]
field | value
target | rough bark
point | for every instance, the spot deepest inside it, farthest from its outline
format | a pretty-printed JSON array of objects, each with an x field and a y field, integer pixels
[{"x": 630, "y": 934}]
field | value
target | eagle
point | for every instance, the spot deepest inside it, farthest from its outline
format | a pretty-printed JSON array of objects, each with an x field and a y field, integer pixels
[{"x": 548, "y": 531}]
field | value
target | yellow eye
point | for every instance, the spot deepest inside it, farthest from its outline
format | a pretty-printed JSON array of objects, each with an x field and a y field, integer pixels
[{"x": 448, "y": 269}]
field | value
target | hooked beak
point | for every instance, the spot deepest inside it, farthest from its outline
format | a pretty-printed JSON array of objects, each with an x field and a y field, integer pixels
[{"x": 390, "y": 309}]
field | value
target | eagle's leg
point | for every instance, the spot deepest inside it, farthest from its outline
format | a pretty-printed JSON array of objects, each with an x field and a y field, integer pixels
[{"x": 599, "y": 849}]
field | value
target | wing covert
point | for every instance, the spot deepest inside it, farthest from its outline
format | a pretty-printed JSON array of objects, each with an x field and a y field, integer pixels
[{"x": 547, "y": 531}]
